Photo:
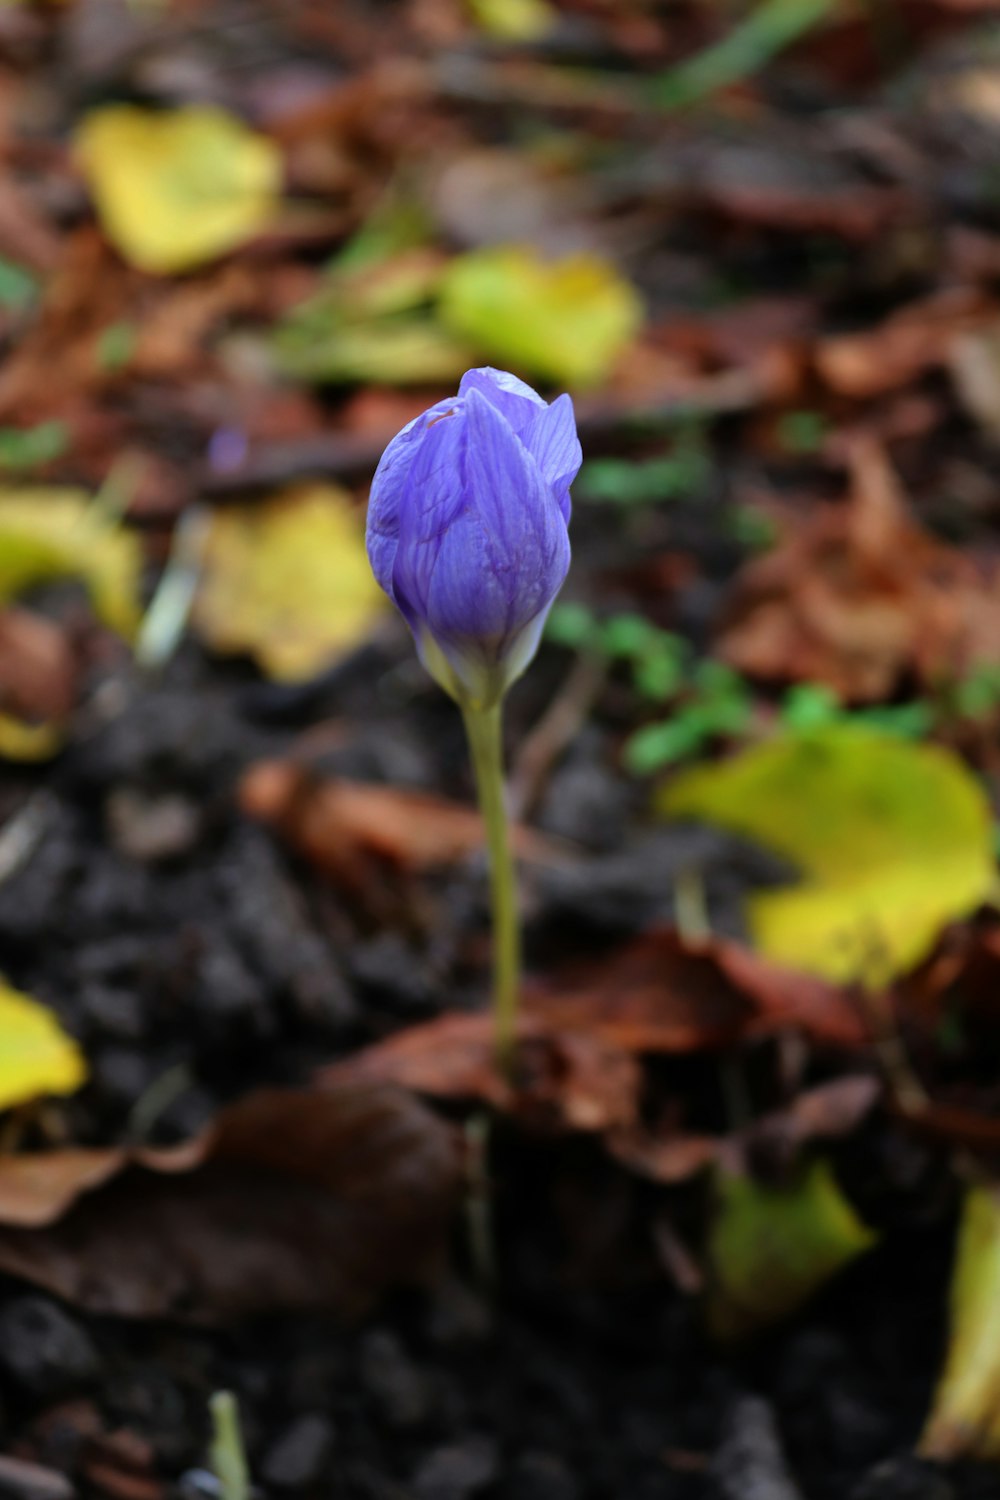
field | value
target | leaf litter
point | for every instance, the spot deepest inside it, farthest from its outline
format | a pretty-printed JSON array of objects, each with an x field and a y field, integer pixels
[{"x": 815, "y": 288}]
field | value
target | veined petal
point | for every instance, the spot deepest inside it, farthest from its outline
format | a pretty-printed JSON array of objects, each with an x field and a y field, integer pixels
[
  {"x": 389, "y": 490},
  {"x": 555, "y": 447}
]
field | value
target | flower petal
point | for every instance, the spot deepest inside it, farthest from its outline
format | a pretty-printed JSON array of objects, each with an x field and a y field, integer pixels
[
  {"x": 555, "y": 447},
  {"x": 389, "y": 488}
]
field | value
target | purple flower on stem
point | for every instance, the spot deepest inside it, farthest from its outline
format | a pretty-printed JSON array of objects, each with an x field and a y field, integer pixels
[{"x": 467, "y": 528}]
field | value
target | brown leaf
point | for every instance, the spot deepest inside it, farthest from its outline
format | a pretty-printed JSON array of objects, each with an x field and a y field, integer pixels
[
  {"x": 342, "y": 826},
  {"x": 857, "y": 595},
  {"x": 37, "y": 667},
  {"x": 294, "y": 1198},
  {"x": 658, "y": 994},
  {"x": 563, "y": 1080},
  {"x": 910, "y": 342}
]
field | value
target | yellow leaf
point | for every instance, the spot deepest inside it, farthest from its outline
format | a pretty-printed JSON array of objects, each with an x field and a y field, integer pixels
[
  {"x": 29, "y": 742},
  {"x": 770, "y": 1248},
  {"x": 288, "y": 581},
  {"x": 175, "y": 188},
  {"x": 566, "y": 320},
  {"x": 57, "y": 533},
  {"x": 894, "y": 840},
  {"x": 514, "y": 20},
  {"x": 965, "y": 1419},
  {"x": 36, "y": 1055}
]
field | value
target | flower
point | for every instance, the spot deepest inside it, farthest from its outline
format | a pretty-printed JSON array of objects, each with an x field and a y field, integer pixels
[{"x": 467, "y": 528}]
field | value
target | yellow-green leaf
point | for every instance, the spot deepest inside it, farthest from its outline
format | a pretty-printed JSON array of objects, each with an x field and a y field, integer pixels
[
  {"x": 770, "y": 1248},
  {"x": 175, "y": 188},
  {"x": 514, "y": 20},
  {"x": 288, "y": 581},
  {"x": 29, "y": 742},
  {"x": 565, "y": 320},
  {"x": 58, "y": 533},
  {"x": 965, "y": 1417},
  {"x": 36, "y": 1055},
  {"x": 894, "y": 840}
]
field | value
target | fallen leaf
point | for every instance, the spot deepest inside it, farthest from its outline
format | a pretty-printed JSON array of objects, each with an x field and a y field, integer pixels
[
  {"x": 175, "y": 188},
  {"x": 561, "y": 1081},
  {"x": 964, "y": 1421},
  {"x": 287, "y": 580},
  {"x": 564, "y": 320},
  {"x": 57, "y": 533},
  {"x": 36, "y": 1055},
  {"x": 514, "y": 20},
  {"x": 343, "y": 827},
  {"x": 894, "y": 841},
  {"x": 37, "y": 677},
  {"x": 661, "y": 994},
  {"x": 918, "y": 338},
  {"x": 771, "y": 1248},
  {"x": 672, "y": 1154},
  {"x": 293, "y": 1199},
  {"x": 858, "y": 596}
]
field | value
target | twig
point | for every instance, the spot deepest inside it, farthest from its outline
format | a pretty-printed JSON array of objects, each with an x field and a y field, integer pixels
[{"x": 556, "y": 729}]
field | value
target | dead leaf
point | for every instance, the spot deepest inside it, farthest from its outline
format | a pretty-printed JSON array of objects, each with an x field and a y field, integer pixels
[
  {"x": 293, "y": 1199},
  {"x": 37, "y": 667},
  {"x": 563, "y": 1080},
  {"x": 909, "y": 343},
  {"x": 346, "y": 827},
  {"x": 858, "y": 595},
  {"x": 288, "y": 581},
  {"x": 175, "y": 188},
  {"x": 669, "y": 1154},
  {"x": 659, "y": 994}
]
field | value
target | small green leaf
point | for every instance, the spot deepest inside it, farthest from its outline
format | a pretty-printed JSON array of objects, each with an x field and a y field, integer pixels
[{"x": 771, "y": 1248}]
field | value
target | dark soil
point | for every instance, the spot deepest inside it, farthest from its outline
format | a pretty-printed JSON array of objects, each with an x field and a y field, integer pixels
[{"x": 584, "y": 1373}]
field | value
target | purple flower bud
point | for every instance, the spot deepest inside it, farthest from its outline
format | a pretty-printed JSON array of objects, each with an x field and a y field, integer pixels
[{"x": 467, "y": 528}]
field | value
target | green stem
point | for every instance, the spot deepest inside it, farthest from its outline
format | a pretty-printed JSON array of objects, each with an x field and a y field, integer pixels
[{"x": 483, "y": 727}]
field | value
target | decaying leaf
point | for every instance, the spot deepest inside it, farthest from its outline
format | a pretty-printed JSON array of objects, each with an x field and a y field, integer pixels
[
  {"x": 293, "y": 1199},
  {"x": 288, "y": 581},
  {"x": 36, "y": 1055},
  {"x": 175, "y": 188},
  {"x": 858, "y": 596},
  {"x": 343, "y": 827},
  {"x": 563, "y": 1080},
  {"x": 566, "y": 320},
  {"x": 770, "y": 1248},
  {"x": 894, "y": 841},
  {"x": 915, "y": 339},
  {"x": 57, "y": 533},
  {"x": 965, "y": 1418},
  {"x": 661, "y": 994},
  {"x": 37, "y": 685}
]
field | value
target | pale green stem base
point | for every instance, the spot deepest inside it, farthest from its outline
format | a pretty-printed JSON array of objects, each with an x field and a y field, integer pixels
[{"x": 483, "y": 727}]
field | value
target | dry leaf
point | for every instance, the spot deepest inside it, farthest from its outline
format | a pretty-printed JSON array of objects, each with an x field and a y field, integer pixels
[
  {"x": 858, "y": 595},
  {"x": 342, "y": 826},
  {"x": 293, "y": 1199},
  {"x": 288, "y": 581},
  {"x": 36, "y": 1055},
  {"x": 175, "y": 188}
]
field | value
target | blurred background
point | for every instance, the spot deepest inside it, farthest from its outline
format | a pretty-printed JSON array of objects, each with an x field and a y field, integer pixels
[{"x": 242, "y": 242}]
